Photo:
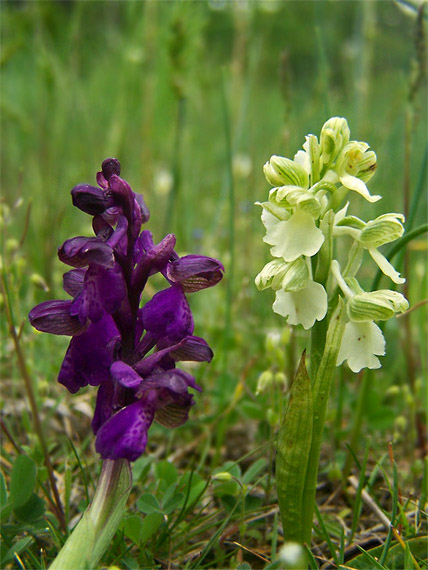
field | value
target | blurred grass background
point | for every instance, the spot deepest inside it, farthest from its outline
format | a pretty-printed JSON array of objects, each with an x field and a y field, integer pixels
[
  {"x": 144, "y": 81},
  {"x": 193, "y": 98}
]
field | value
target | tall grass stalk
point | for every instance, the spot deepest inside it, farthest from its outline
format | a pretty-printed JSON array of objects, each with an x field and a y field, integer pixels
[
  {"x": 231, "y": 218},
  {"x": 59, "y": 510}
]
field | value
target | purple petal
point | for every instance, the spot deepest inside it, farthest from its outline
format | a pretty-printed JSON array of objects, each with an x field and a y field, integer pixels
[
  {"x": 104, "y": 405},
  {"x": 194, "y": 349},
  {"x": 54, "y": 317},
  {"x": 101, "y": 181},
  {"x": 88, "y": 358},
  {"x": 118, "y": 239},
  {"x": 91, "y": 199},
  {"x": 150, "y": 258},
  {"x": 124, "y": 435},
  {"x": 109, "y": 167},
  {"x": 102, "y": 228},
  {"x": 195, "y": 272},
  {"x": 191, "y": 348},
  {"x": 175, "y": 381},
  {"x": 168, "y": 315},
  {"x": 73, "y": 281},
  {"x": 174, "y": 414},
  {"x": 125, "y": 374},
  {"x": 81, "y": 251},
  {"x": 122, "y": 192},
  {"x": 145, "y": 212},
  {"x": 103, "y": 292}
]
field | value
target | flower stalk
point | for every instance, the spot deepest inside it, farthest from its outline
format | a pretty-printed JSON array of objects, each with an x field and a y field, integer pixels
[{"x": 93, "y": 533}]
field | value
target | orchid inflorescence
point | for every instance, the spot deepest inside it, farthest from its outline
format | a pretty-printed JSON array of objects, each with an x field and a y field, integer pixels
[
  {"x": 304, "y": 214},
  {"x": 129, "y": 352}
]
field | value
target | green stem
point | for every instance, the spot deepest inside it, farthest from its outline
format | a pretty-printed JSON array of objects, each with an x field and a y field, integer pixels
[
  {"x": 95, "y": 530},
  {"x": 320, "y": 392}
]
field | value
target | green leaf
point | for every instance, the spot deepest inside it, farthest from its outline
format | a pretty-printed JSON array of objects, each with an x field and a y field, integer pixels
[
  {"x": 148, "y": 504},
  {"x": 141, "y": 468},
  {"x": 151, "y": 524},
  {"x": 167, "y": 472},
  {"x": 23, "y": 480},
  {"x": 132, "y": 526},
  {"x": 173, "y": 503},
  {"x": 17, "y": 548},
  {"x": 396, "y": 555},
  {"x": 3, "y": 491},
  {"x": 293, "y": 446},
  {"x": 253, "y": 470},
  {"x": 33, "y": 509}
]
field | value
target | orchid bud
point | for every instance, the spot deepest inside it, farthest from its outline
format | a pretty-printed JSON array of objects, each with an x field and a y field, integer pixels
[
  {"x": 281, "y": 171},
  {"x": 335, "y": 134},
  {"x": 296, "y": 276},
  {"x": 296, "y": 197},
  {"x": 271, "y": 275},
  {"x": 312, "y": 148},
  {"x": 293, "y": 556},
  {"x": 280, "y": 379},
  {"x": 91, "y": 199},
  {"x": 264, "y": 382},
  {"x": 109, "y": 167},
  {"x": 384, "y": 229},
  {"x": 38, "y": 281},
  {"x": 273, "y": 418},
  {"x": 376, "y": 305},
  {"x": 223, "y": 476},
  {"x": 356, "y": 160}
]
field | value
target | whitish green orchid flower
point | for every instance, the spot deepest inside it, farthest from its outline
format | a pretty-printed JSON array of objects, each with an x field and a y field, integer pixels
[
  {"x": 279, "y": 274},
  {"x": 362, "y": 343},
  {"x": 293, "y": 237},
  {"x": 371, "y": 235},
  {"x": 335, "y": 134},
  {"x": 302, "y": 307},
  {"x": 363, "y": 340},
  {"x": 281, "y": 171},
  {"x": 355, "y": 166}
]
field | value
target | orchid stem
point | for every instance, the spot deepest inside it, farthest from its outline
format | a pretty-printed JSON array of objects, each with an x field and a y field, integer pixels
[
  {"x": 95, "y": 530},
  {"x": 321, "y": 384}
]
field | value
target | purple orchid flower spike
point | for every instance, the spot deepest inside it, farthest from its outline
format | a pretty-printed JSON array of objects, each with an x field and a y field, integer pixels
[{"x": 129, "y": 352}]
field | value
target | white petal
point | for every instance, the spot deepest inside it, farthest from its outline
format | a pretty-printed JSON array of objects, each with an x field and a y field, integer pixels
[
  {"x": 303, "y": 159},
  {"x": 268, "y": 219},
  {"x": 385, "y": 266},
  {"x": 354, "y": 183},
  {"x": 302, "y": 307},
  {"x": 361, "y": 343},
  {"x": 294, "y": 237}
]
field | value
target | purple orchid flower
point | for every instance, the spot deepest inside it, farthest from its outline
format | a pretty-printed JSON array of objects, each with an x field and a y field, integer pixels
[{"x": 129, "y": 352}]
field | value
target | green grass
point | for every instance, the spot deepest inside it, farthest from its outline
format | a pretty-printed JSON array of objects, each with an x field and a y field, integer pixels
[{"x": 208, "y": 92}]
